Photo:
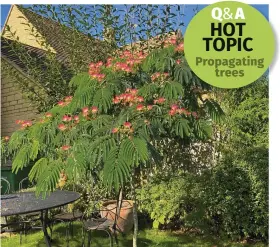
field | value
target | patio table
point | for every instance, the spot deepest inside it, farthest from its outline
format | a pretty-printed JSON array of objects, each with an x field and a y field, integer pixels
[{"x": 27, "y": 202}]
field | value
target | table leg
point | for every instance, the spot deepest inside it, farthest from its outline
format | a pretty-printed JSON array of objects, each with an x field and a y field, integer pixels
[{"x": 44, "y": 219}]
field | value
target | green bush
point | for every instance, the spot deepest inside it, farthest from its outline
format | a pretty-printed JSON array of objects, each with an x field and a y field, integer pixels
[
  {"x": 237, "y": 194},
  {"x": 228, "y": 201},
  {"x": 171, "y": 202}
]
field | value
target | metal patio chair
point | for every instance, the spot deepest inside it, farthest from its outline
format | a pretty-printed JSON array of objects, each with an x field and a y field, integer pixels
[
  {"x": 13, "y": 226},
  {"x": 100, "y": 220},
  {"x": 6, "y": 183},
  {"x": 68, "y": 218}
]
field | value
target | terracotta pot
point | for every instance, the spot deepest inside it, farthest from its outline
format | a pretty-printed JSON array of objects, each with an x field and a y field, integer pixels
[{"x": 125, "y": 219}]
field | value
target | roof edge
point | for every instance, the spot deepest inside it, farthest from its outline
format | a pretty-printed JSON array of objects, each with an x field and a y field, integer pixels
[{"x": 8, "y": 16}]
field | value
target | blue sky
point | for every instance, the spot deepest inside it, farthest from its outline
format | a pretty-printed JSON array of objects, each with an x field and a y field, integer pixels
[{"x": 263, "y": 8}]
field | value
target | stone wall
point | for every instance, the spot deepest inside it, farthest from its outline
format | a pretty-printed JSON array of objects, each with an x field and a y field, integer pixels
[{"x": 13, "y": 106}]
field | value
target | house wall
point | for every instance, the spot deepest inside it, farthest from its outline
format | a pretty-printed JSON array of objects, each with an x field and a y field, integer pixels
[
  {"x": 14, "y": 106},
  {"x": 19, "y": 23}
]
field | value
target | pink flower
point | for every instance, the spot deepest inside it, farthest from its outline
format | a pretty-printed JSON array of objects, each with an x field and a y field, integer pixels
[
  {"x": 91, "y": 65},
  {"x": 141, "y": 55},
  {"x": 180, "y": 111},
  {"x": 195, "y": 115},
  {"x": 128, "y": 97},
  {"x": 68, "y": 98},
  {"x": 115, "y": 130},
  {"x": 174, "y": 107},
  {"x": 187, "y": 112},
  {"x": 85, "y": 109},
  {"x": 28, "y": 123},
  {"x": 109, "y": 62},
  {"x": 127, "y": 124},
  {"x": 161, "y": 100},
  {"x": 127, "y": 69},
  {"x": 133, "y": 91},
  {"x": 94, "y": 109},
  {"x": 98, "y": 77},
  {"x": 66, "y": 118},
  {"x": 155, "y": 76},
  {"x": 6, "y": 138},
  {"x": 180, "y": 47},
  {"x": 76, "y": 118},
  {"x": 127, "y": 53},
  {"x": 116, "y": 100},
  {"x": 61, "y": 103},
  {"x": 139, "y": 107},
  {"x": 25, "y": 124},
  {"x": 130, "y": 61},
  {"x": 140, "y": 99},
  {"x": 19, "y": 121},
  {"x": 62, "y": 127},
  {"x": 149, "y": 107},
  {"x": 178, "y": 61},
  {"x": 48, "y": 115},
  {"x": 172, "y": 112},
  {"x": 99, "y": 64},
  {"x": 65, "y": 147},
  {"x": 173, "y": 41}
]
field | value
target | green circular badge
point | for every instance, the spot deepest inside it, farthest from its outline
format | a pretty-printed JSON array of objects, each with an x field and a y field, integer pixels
[{"x": 229, "y": 44}]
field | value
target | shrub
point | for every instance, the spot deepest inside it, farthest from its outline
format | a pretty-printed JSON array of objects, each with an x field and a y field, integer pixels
[
  {"x": 228, "y": 200},
  {"x": 172, "y": 202},
  {"x": 239, "y": 185}
]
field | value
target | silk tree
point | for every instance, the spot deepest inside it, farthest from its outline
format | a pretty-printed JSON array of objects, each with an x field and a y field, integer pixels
[{"x": 112, "y": 122}]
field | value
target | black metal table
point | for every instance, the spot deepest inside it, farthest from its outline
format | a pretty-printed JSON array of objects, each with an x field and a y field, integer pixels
[{"x": 27, "y": 202}]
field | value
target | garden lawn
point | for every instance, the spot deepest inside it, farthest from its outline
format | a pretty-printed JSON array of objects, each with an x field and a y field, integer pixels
[{"x": 151, "y": 238}]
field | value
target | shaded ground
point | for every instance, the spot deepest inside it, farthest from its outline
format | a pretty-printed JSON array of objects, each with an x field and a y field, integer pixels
[{"x": 151, "y": 238}]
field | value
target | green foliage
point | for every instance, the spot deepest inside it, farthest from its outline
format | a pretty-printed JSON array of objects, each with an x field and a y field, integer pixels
[
  {"x": 92, "y": 190},
  {"x": 228, "y": 200},
  {"x": 171, "y": 202},
  {"x": 75, "y": 146},
  {"x": 245, "y": 173}
]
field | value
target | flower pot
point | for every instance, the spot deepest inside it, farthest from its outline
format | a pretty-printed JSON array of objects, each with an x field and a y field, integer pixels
[{"x": 125, "y": 219}]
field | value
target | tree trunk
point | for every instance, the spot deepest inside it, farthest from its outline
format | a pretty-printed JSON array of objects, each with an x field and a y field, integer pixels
[
  {"x": 135, "y": 221},
  {"x": 120, "y": 199},
  {"x": 135, "y": 216}
]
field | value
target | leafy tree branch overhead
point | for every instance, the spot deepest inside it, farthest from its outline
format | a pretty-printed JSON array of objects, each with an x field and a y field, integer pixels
[{"x": 117, "y": 110}]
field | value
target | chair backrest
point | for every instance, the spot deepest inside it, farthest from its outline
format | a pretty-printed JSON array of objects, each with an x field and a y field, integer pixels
[
  {"x": 101, "y": 214},
  {"x": 6, "y": 183},
  {"x": 25, "y": 183}
]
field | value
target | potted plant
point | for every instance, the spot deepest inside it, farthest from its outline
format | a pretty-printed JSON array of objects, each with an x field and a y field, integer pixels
[{"x": 124, "y": 219}]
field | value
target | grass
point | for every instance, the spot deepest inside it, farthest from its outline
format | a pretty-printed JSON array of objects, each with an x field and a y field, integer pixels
[{"x": 147, "y": 238}]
